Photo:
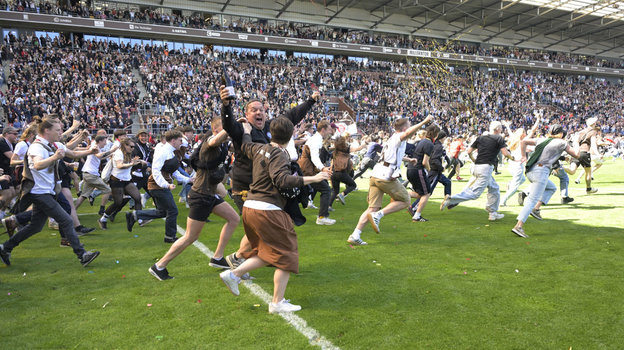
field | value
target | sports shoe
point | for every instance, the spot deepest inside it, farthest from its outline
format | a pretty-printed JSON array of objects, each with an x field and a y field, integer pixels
[
  {"x": 341, "y": 198},
  {"x": 10, "y": 223},
  {"x": 53, "y": 225},
  {"x": 446, "y": 203},
  {"x": 283, "y": 306},
  {"x": 103, "y": 224},
  {"x": 5, "y": 256},
  {"x": 495, "y": 216},
  {"x": 591, "y": 190},
  {"x": 577, "y": 181},
  {"x": 91, "y": 200},
  {"x": 519, "y": 231},
  {"x": 325, "y": 221},
  {"x": 145, "y": 222},
  {"x": 88, "y": 257},
  {"x": 356, "y": 241},
  {"x": 232, "y": 261},
  {"x": 170, "y": 239},
  {"x": 65, "y": 243},
  {"x": 536, "y": 213},
  {"x": 231, "y": 281},
  {"x": 160, "y": 275},
  {"x": 311, "y": 205},
  {"x": 420, "y": 219},
  {"x": 374, "y": 219},
  {"x": 566, "y": 200},
  {"x": 219, "y": 263},
  {"x": 83, "y": 230},
  {"x": 101, "y": 211},
  {"x": 130, "y": 220},
  {"x": 330, "y": 209},
  {"x": 521, "y": 197}
]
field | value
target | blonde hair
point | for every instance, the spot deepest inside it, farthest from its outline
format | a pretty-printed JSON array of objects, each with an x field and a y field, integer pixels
[{"x": 516, "y": 137}]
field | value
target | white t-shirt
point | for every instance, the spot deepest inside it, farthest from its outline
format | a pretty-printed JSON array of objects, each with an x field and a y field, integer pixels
[
  {"x": 20, "y": 149},
  {"x": 44, "y": 178},
  {"x": 393, "y": 154},
  {"x": 92, "y": 165},
  {"x": 121, "y": 174}
]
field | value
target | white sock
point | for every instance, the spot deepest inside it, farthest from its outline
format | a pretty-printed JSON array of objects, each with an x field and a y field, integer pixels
[
  {"x": 160, "y": 268},
  {"x": 356, "y": 233},
  {"x": 416, "y": 216},
  {"x": 104, "y": 218}
]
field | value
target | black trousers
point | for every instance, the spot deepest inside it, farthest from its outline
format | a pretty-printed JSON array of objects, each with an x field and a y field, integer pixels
[
  {"x": 326, "y": 193},
  {"x": 341, "y": 177}
]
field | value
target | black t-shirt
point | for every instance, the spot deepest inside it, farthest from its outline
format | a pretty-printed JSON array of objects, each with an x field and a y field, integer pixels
[
  {"x": 5, "y": 163},
  {"x": 488, "y": 147},
  {"x": 424, "y": 146}
]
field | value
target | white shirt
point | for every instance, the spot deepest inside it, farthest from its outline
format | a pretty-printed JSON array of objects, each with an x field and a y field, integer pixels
[
  {"x": 44, "y": 178},
  {"x": 393, "y": 154},
  {"x": 121, "y": 174},
  {"x": 161, "y": 155},
  {"x": 315, "y": 143},
  {"x": 21, "y": 148},
  {"x": 92, "y": 164},
  {"x": 292, "y": 151}
]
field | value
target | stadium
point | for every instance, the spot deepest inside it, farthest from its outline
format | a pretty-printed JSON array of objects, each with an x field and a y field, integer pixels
[{"x": 390, "y": 98}]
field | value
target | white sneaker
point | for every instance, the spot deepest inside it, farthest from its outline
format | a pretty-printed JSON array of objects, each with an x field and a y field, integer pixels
[
  {"x": 374, "y": 219},
  {"x": 325, "y": 221},
  {"x": 495, "y": 216},
  {"x": 356, "y": 241},
  {"x": 311, "y": 205},
  {"x": 283, "y": 306},
  {"x": 231, "y": 281}
]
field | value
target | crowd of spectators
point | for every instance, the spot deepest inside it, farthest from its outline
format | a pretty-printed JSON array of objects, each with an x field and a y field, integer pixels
[
  {"x": 46, "y": 77},
  {"x": 299, "y": 30},
  {"x": 94, "y": 82}
]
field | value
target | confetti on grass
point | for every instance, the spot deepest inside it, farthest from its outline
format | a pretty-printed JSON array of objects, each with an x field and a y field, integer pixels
[{"x": 149, "y": 305}]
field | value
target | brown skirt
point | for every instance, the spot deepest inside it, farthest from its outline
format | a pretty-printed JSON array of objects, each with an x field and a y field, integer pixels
[{"x": 272, "y": 237}]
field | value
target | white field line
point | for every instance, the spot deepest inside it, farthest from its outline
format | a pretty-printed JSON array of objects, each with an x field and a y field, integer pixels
[{"x": 298, "y": 323}]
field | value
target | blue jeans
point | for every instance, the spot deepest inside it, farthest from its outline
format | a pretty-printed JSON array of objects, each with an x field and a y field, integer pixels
[
  {"x": 564, "y": 181},
  {"x": 44, "y": 206},
  {"x": 165, "y": 207},
  {"x": 484, "y": 179},
  {"x": 516, "y": 169},
  {"x": 541, "y": 190}
]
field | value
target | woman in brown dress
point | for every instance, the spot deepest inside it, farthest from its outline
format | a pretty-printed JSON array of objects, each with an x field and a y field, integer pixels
[{"x": 268, "y": 227}]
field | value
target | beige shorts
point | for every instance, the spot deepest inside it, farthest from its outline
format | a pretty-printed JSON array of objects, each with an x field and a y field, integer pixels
[
  {"x": 92, "y": 182},
  {"x": 393, "y": 188}
]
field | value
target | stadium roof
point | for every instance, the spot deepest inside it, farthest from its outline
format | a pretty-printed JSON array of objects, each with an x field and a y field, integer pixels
[{"x": 592, "y": 27}]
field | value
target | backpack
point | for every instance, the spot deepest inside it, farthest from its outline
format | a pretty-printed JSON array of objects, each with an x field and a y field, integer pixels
[
  {"x": 215, "y": 167},
  {"x": 107, "y": 171}
]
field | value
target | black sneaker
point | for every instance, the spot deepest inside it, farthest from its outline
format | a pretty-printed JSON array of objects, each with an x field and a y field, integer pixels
[
  {"x": 521, "y": 197},
  {"x": 88, "y": 257},
  {"x": 91, "y": 200},
  {"x": 144, "y": 222},
  {"x": 219, "y": 263},
  {"x": 161, "y": 275},
  {"x": 83, "y": 230},
  {"x": 103, "y": 224},
  {"x": 65, "y": 243},
  {"x": 5, "y": 256},
  {"x": 566, "y": 200},
  {"x": 130, "y": 220},
  {"x": 536, "y": 213},
  {"x": 170, "y": 239},
  {"x": 420, "y": 219}
]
